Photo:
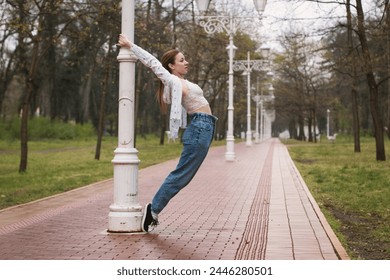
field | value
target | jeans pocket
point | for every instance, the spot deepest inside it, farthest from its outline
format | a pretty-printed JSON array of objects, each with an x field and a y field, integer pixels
[{"x": 196, "y": 131}]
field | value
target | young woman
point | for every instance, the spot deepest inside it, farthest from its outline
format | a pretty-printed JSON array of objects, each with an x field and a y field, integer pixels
[{"x": 184, "y": 97}]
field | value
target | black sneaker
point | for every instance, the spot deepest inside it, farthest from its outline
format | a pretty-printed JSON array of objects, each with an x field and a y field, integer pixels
[{"x": 148, "y": 221}]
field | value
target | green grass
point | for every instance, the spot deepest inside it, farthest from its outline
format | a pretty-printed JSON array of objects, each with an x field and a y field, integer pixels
[
  {"x": 352, "y": 189},
  {"x": 60, "y": 165}
]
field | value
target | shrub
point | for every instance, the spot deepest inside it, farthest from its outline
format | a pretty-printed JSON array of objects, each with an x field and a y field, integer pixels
[{"x": 40, "y": 128}]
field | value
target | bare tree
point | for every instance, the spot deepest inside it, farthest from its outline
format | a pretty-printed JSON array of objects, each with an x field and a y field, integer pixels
[
  {"x": 372, "y": 84},
  {"x": 28, "y": 67},
  {"x": 354, "y": 92},
  {"x": 299, "y": 84},
  {"x": 387, "y": 15}
]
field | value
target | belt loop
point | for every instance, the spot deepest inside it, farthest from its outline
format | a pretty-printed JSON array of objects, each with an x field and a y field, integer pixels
[{"x": 204, "y": 117}]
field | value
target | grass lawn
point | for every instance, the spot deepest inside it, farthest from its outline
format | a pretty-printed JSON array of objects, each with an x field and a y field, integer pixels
[{"x": 353, "y": 191}]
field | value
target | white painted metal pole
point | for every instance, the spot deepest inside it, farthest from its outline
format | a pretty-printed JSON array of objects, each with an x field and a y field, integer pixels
[
  {"x": 261, "y": 121},
  {"x": 327, "y": 123},
  {"x": 257, "y": 120},
  {"x": 248, "y": 97},
  {"x": 125, "y": 212},
  {"x": 230, "y": 154}
]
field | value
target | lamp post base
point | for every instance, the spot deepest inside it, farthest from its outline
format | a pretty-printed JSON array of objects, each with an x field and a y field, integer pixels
[
  {"x": 125, "y": 222},
  {"x": 125, "y": 212},
  {"x": 249, "y": 138},
  {"x": 230, "y": 155}
]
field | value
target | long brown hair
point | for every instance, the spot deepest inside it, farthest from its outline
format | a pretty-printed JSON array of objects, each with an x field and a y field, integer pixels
[{"x": 167, "y": 58}]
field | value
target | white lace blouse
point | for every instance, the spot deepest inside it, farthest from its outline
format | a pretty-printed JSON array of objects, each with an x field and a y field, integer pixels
[{"x": 172, "y": 89}]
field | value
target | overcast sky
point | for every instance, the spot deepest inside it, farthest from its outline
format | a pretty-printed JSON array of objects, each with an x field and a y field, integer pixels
[{"x": 281, "y": 16}]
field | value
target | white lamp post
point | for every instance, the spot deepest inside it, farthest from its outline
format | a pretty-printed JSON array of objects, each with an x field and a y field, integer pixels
[
  {"x": 264, "y": 118},
  {"x": 228, "y": 24},
  {"x": 268, "y": 114},
  {"x": 125, "y": 212},
  {"x": 257, "y": 99},
  {"x": 248, "y": 108},
  {"x": 230, "y": 154},
  {"x": 261, "y": 121},
  {"x": 327, "y": 124},
  {"x": 248, "y": 66}
]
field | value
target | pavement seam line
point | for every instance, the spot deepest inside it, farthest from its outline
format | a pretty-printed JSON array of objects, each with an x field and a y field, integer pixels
[{"x": 253, "y": 243}]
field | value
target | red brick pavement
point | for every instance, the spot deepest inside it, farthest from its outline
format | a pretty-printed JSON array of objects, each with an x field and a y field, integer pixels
[{"x": 257, "y": 207}]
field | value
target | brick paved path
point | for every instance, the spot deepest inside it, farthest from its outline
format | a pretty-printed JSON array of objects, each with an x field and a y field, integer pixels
[{"x": 257, "y": 207}]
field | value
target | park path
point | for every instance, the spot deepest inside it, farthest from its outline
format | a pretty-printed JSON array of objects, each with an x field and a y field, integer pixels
[{"x": 257, "y": 207}]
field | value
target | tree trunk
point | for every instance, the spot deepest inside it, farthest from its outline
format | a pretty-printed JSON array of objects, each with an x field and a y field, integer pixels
[
  {"x": 24, "y": 130},
  {"x": 85, "y": 92},
  {"x": 6, "y": 77},
  {"x": 310, "y": 127},
  {"x": 163, "y": 127},
  {"x": 26, "y": 106},
  {"x": 29, "y": 72},
  {"x": 355, "y": 118},
  {"x": 48, "y": 95},
  {"x": 354, "y": 92},
  {"x": 301, "y": 131},
  {"x": 292, "y": 129},
  {"x": 174, "y": 36},
  {"x": 102, "y": 109},
  {"x": 372, "y": 84},
  {"x": 388, "y": 65}
]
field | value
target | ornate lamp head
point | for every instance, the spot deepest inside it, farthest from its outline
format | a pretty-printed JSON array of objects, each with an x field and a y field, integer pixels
[
  {"x": 265, "y": 51},
  {"x": 234, "y": 50},
  {"x": 260, "y": 5},
  {"x": 202, "y": 5}
]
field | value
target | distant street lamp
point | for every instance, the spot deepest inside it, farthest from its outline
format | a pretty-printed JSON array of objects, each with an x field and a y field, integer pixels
[
  {"x": 328, "y": 124},
  {"x": 257, "y": 99},
  {"x": 264, "y": 117},
  {"x": 248, "y": 66},
  {"x": 228, "y": 24},
  {"x": 269, "y": 115},
  {"x": 260, "y": 4},
  {"x": 204, "y": 4}
]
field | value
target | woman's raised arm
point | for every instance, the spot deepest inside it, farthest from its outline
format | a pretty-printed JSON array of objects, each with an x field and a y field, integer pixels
[{"x": 147, "y": 59}]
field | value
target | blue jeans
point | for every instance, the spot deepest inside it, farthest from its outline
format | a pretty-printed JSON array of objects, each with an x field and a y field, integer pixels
[{"x": 196, "y": 140}]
